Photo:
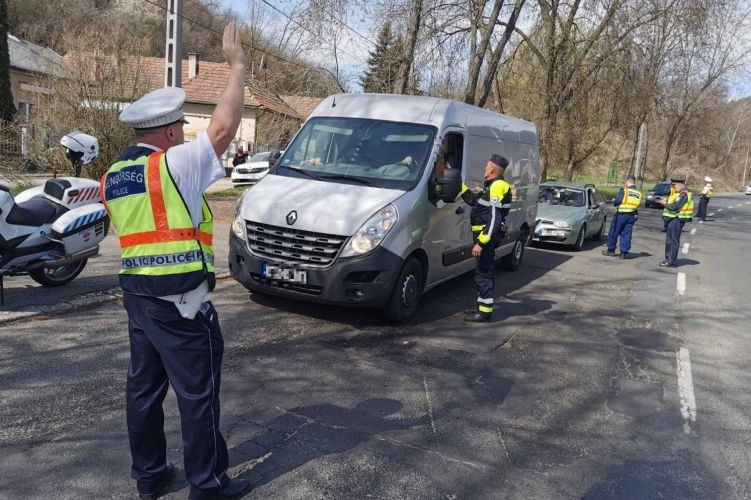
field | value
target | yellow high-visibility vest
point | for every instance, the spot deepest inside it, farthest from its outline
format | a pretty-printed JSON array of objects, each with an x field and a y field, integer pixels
[
  {"x": 162, "y": 252},
  {"x": 631, "y": 201}
]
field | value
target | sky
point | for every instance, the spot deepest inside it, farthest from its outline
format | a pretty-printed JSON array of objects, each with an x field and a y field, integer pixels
[{"x": 353, "y": 49}]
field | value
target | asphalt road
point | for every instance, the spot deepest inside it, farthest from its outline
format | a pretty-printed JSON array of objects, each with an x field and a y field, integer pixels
[{"x": 599, "y": 379}]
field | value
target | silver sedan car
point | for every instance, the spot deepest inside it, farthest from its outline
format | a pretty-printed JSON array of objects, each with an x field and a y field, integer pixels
[{"x": 569, "y": 214}]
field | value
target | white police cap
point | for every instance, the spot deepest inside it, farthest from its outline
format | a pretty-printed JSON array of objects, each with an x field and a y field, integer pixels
[
  {"x": 708, "y": 179},
  {"x": 156, "y": 109}
]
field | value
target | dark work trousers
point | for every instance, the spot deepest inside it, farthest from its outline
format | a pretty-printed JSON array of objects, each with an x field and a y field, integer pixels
[
  {"x": 167, "y": 348},
  {"x": 673, "y": 240},
  {"x": 702, "y": 213},
  {"x": 621, "y": 227},
  {"x": 485, "y": 274}
]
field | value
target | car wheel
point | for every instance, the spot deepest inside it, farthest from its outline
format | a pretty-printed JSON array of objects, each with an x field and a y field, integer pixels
[
  {"x": 580, "y": 238},
  {"x": 513, "y": 261},
  {"x": 405, "y": 297},
  {"x": 601, "y": 233}
]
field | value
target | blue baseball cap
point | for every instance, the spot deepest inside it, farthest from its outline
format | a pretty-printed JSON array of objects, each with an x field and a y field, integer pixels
[{"x": 631, "y": 177}]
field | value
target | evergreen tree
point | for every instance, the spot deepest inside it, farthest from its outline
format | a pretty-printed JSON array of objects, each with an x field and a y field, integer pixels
[
  {"x": 7, "y": 109},
  {"x": 382, "y": 63}
]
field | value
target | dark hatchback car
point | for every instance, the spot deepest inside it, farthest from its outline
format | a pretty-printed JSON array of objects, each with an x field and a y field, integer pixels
[{"x": 661, "y": 189}]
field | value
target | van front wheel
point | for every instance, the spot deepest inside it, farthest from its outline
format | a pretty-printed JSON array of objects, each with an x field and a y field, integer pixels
[{"x": 405, "y": 297}]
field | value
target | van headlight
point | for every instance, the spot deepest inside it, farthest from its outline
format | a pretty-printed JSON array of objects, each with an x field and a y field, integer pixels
[
  {"x": 562, "y": 224},
  {"x": 372, "y": 233},
  {"x": 238, "y": 224},
  {"x": 238, "y": 227}
]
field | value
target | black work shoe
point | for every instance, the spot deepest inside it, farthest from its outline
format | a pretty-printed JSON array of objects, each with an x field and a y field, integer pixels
[
  {"x": 235, "y": 489},
  {"x": 608, "y": 253},
  {"x": 478, "y": 317},
  {"x": 622, "y": 256},
  {"x": 467, "y": 312},
  {"x": 663, "y": 230},
  {"x": 162, "y": 485},
  {"x": 665, "y": 264}
]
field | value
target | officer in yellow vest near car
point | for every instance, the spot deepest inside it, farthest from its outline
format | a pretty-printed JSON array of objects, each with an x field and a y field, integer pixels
[
  {"x": 626, "y": 209},
  {"x": 679, "y": 209},
  {"x": 154, "y": 195},
  {"x": 706, "y": 195}
]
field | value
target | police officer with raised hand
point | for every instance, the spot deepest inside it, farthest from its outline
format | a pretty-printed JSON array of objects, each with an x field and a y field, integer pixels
[
  {"x": 154, "y": 195},
  {"x": 626, "y": 205},
  {"x": 679, "y": 209},
  {"x": 489, "y": 210}
]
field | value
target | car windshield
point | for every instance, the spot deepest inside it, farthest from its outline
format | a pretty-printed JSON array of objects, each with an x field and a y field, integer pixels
[
  {"x": 562, "y": 196},
  {"x": 260, "y": 157},
  {"x": 662, "y": 187},
  {"x": 359, "y": 151}
]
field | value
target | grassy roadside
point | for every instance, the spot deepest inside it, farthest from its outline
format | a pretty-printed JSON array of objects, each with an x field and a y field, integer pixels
[{"x": 232, "y": 193}]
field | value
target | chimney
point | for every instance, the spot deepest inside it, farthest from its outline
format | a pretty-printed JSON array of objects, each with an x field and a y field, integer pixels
[{"x": 192, "y": 65}]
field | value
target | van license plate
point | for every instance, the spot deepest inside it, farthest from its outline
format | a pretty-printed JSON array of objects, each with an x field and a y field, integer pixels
[{"x": 286, "y": 274}]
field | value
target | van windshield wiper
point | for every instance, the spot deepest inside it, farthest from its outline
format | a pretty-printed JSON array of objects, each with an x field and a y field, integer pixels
[
  {"x": 309, "y": 174},
  {"x": 350, "y": 178}
]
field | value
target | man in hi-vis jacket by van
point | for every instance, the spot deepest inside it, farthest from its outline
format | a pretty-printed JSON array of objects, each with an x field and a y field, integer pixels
[{"x": 489, "y": 209}]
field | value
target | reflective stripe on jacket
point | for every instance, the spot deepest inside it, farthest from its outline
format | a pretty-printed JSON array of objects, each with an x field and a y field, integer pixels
[
  {"x": 489, "y": 208},
  {"x": 162, "y": 252},
  {"x": 631, "y": 201}
]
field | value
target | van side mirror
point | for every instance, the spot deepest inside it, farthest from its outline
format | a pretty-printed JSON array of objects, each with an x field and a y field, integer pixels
[
  {"x": 448, "y": 187},
  {"x": 274, "y": 157}
]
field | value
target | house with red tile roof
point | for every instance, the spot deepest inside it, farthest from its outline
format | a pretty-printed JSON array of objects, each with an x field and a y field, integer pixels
[{"x": 204, "y": 84}]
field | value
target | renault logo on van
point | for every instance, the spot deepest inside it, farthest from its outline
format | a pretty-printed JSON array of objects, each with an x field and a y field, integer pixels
[{"x": 291, "y": 217}]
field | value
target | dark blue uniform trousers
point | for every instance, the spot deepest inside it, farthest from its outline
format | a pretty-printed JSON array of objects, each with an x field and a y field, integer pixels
[
  {"x": 167, "y": 348},
  {"x": 673, "y": 240},
  {"x": 485, "y": 272},
  {"x": 621, "y": 226}
]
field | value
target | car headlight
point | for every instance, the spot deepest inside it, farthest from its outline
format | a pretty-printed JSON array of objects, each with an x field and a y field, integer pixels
[
  {"x": 562, "y": 224},
  {"x": 372, "y": 233}
]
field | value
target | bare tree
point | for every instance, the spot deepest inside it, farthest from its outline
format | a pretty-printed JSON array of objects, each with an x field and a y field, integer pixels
[
  {"x": 408, "y": 55},
  {"x": 712, "y": 46}
]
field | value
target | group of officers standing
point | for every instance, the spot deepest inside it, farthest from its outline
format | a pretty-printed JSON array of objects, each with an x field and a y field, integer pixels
[{"x": 678, "y": 210}]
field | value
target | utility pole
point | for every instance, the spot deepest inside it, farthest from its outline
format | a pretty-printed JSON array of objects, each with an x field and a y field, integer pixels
[
  {"x": 173, "y": 54},
  {"x": 637, "y": 167},
  {"x": 743, "y": 181}
]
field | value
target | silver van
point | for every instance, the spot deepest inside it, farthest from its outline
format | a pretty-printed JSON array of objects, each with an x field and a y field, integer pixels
[{"x": 363, "y": 207}]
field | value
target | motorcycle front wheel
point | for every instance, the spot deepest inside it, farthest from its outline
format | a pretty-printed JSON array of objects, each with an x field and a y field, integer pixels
[{"x": 60, "y": 276}]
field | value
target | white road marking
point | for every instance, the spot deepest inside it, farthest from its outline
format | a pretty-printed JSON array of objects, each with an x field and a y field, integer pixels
[
  {"x": 685, "y": 247},
  {"x": 681, "y": 285},
  {"x": 686, "y": 389},
  {"x": 430, "y": 406},
  {"x": 748, "y": 203},
  {"x": 711, "y": 215},
  {"x": 739, "y": 205},
  {"x": 730, "y": 207},
  {"x": 720, "y": 210},
  {"x": 693, "y": 231},
  {"x": 701, "y": 222}
]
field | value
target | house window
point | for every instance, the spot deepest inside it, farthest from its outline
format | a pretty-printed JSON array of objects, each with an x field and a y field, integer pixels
[{"x": 25, "y": 109}]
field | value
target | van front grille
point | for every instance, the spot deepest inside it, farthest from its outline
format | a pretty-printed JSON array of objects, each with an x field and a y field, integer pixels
[{"x": 293, "y": 246}]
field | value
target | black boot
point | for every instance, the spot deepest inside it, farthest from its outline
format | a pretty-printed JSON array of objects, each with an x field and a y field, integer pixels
[
  {"x": 478, "y": 317},
  {"x": 235, "y": 489},
  {"x": 608, "y": 253},
  {"x": 162, "y": 485}
]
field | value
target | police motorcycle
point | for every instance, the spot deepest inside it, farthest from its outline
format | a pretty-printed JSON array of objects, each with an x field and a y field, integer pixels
[{"x": 49, "y": 232}]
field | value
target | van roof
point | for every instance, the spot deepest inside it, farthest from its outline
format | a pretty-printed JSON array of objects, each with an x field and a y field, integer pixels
[{"x": 417, "y": 109}]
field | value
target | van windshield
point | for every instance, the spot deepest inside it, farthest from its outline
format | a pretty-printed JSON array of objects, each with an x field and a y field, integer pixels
[{"x": 359, "y": 151}]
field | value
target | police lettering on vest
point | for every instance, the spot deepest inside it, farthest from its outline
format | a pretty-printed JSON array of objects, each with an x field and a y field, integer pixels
[{"x": 162, "y": 252}]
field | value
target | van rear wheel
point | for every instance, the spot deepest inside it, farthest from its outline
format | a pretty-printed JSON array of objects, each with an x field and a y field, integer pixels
[
  {"x": 405, "y": 297},
  {"x": 513, "y": 261}
]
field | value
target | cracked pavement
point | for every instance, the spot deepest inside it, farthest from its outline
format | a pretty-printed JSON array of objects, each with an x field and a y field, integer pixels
[{"x": 573, "y": 392}]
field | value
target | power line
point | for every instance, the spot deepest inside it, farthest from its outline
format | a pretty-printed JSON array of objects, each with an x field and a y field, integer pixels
[
  {"x": 248, "y": 45},
  {"x": 303, "y": 27}
]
